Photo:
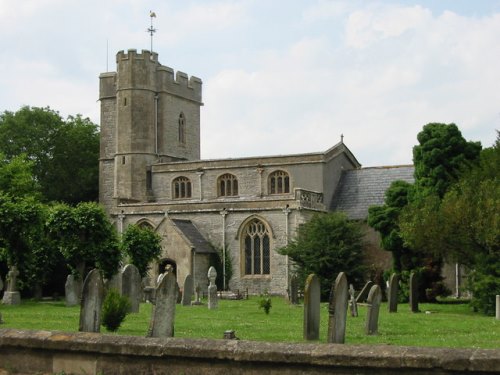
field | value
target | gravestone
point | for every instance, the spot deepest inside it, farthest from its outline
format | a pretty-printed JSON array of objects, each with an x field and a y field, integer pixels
[
  {"x": 11, "y": 296},
  {"x": 197, "y": 296},
  {"x": 352, "y": 302},
  {"x": 337, "y": 310},
  {"x": 91, "y": 303},
  {"x": 393, "y": 293},
  {"x": 70, "y": 291},
  {"x": 212, "y": 289},
  {"x": 187, "y": 294},
  {"x": 312, "y": 297},
  {"x": 131, "y": 286},
  {"x": 294, "y": 290},
  {"x": 163, "y": 312},
  {"x": 414, "y": 293},
  {"x": 374, "y": 300},
  {"x": 363, "y": 295}
]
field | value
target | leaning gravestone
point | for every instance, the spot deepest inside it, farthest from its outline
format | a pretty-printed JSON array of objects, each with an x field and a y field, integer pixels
[
  {"x": 364, "y": 292},
  {"x": 393, "y": 293},
  {"x": 294, "y": 290},
  {"x": 414, "y": 293},
  {"x": 163, "y": 313},
  {"x": 311, "y": 308},
  {"x": 212, "y": 289},
  {"x": 91, "y": 303},
  {"x": 12, "y": 296},
  {"x": 187, "y": 293},
  {"x": 338, "y": 310},
  {"x": 374, "y": 300},
  {"x": 70, "y": 291},
  {"x": 352, "y": 302},
  {"x": 131, "y": 286}
]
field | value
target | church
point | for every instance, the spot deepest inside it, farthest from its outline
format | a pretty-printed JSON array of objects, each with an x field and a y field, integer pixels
[{"x": 151, "y": 174}]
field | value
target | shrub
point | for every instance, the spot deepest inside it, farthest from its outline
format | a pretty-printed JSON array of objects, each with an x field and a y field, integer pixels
[
  {"x": 265, "y": 303},
  {"x": 114, "y": 309}
]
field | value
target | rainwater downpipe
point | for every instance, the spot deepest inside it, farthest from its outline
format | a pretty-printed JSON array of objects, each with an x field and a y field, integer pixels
[
  {"x": 287, "y": 211},
  {"x": 223, "y": 214}
]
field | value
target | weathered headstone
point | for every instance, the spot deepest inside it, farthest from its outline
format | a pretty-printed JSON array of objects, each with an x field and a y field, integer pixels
[
  {"x": 374, "y": 300},
  {"x": 393, "y": 293},
  {"x": 187, "y": 293},
  {"x": 91, "y": 303},
  {"x": 337, "y": 310},
  {"x": 197, "y": 296},
  {"x": 11, "y": 296},
  {"x": 294, "y": 290},
  {"x": 413, "y": 293},
  {"x": 363, "y": 295},
  {"x": 131, "y": 286},
  {"x": 312, "y": 295},
  {"x": 163, "y": 313},
  {"x": 70, "y": 291},
  {"x": 352, "y": 302},
  {"x": 212, "y": 289}
]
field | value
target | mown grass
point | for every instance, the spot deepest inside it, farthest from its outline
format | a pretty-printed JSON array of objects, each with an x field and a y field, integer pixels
[{"x": 447, "y": 325}]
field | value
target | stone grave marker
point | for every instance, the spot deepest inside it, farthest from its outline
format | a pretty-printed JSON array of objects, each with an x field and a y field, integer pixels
[
  {"x": 187, "y": 293},
  {"x": 91, "y": 303},
  {"x": 312, "y": 296},
  {"x": 131, "y": 286},
  {"x": 71, "y": 294},
  {"x": 414, "y": 293},
  {"x": 11, "y": 296},
  {"x": 374, "y": 300},
  {"x": 393, "y": 293},
  {"x": 163, "y": 312},
  {"x": 294, "y": 290},
  {"x": 363, "y": 295},
  {"x": 337, "y": 310},
  {"x": 212, "y": 289},
  {"x": 353, "y": 305},
  {"x": 197, "y": 296}
]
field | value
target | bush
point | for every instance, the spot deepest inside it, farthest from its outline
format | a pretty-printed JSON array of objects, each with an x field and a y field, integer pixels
[
  {"x": 265, "y": 303},
  {"x": 114, "y": 309}
]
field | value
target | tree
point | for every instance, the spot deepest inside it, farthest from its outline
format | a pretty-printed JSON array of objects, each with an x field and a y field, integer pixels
[
  {"x": 326, "y": 245},
  {"x": 64, "y": 153},
  {"x": 16, "y": 177},
  {"x": 85, "y": 237},
  {"x": 142, "y": 245}
]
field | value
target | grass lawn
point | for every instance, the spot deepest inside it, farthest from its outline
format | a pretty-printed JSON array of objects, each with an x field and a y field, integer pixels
[{"x": 447, "y": 325}]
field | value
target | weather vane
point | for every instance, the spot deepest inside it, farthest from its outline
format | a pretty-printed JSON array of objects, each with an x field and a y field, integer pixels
[{"x": 151, "y": 30}]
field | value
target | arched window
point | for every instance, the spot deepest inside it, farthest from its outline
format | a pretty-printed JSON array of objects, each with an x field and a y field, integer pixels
[
  {"x": 256, "y": 248},
  {"x": 279, "y": 183},
  {"x": 181, "y": 188},
  {"x": 182, "y": 128},
  {"x": 227, "y": 185}
]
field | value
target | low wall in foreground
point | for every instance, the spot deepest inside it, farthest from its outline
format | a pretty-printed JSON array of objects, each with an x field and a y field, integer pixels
[{"x": 44, "y": 352}]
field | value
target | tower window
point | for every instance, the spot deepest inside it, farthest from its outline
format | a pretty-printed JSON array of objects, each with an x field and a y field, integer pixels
[
  {"x": 256, "y": 249},
  {"x": 182, "y": 128},
  {"x": 124, "y": 102},
  {"x": 123, "y": 159},
  {"x": 227, "y": 185},
  {"x": 279, "y": 183},
  {"x": 181, "y": 188}
]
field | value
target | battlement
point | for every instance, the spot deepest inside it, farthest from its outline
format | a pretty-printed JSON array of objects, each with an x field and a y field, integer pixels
[{"x": 132, "y": 54}]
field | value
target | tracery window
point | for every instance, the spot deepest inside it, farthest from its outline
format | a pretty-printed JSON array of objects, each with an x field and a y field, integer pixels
[
  {"x": 181, "y": 187},
  {"x": 227, "y": 185},
  {"x": 182, "y": 128},
  {"x": 279, "y": 183},
  {"x": 256, "y": 248}
]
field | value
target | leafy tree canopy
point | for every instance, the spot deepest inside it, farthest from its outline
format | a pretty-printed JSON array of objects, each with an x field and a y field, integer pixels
[
  {"x": 326, "y": 245},
  {"x": 16, "y": 177},
  {"x": 142, "y": 245}
]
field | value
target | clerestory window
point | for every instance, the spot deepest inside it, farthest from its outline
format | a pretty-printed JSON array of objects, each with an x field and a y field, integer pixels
[
  {"x": 181, "y": 188},
  {"x": 227, "y": 185},
  {"x": 279, "y": 183},
  {"x": 256, "y": 248}
]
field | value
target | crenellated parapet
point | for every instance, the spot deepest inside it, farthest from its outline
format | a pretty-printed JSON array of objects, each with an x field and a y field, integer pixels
[{"x": 143, "y": 71}]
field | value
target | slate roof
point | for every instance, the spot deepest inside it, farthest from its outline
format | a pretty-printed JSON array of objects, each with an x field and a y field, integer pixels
[
  {"x": 361, "y": 188},
  {"x": 200, "y": 244}
]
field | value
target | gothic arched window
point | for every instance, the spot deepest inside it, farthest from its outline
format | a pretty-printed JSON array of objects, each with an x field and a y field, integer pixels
[
  {"x": 257, "y": 248},
  {"x": 182, "y": 128},
  {"x": 181, "y": 188},
  {"x": 227, "y": 185},
  {"x": 279, "y": 183}
]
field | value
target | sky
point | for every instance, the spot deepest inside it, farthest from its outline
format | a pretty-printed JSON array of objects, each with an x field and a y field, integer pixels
[{"x": 279, "y": 77}]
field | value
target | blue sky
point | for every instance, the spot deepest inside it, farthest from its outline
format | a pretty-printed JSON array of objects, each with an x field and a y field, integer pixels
[{"x": 279, "y": 77}]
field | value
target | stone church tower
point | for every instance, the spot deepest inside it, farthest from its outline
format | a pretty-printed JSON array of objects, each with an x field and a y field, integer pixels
[{"x": 147, "y": 116}]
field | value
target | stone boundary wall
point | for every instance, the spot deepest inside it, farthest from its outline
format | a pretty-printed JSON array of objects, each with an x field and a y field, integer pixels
[{"x": 49, "y": 352}]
